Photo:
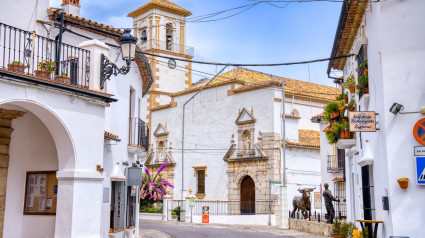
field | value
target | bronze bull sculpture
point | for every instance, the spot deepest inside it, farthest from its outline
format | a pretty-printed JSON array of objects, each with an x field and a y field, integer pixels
[{"x": 303, "y": 202}]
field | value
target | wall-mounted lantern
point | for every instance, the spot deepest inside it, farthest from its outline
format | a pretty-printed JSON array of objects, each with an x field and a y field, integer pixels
[{"x": 128, "y": 50}]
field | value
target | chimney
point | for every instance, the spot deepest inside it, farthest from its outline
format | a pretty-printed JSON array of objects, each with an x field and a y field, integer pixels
[{"x": 71, "y": 7}]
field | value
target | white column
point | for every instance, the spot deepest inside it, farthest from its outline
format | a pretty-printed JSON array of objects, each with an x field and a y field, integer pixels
[
  {"x": 79, "y": 204},
  {"x": 96, "y": 48},
  {"x": 165, "y": 203}
]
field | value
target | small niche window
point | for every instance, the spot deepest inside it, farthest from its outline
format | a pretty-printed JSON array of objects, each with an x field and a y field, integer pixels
[
  {"x": 246, "y": 138},
  {"x": 143, "y": 36},
  {"x": 169, "y": 35},
  {"x": 117, "y": 206},
  {"x": 41, "y": 193}
]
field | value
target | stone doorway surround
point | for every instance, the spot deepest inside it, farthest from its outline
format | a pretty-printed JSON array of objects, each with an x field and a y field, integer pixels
[{"x": 6, "y": 117}]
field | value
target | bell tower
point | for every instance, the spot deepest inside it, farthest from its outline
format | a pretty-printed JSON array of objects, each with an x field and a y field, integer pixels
[{"x": 160, "y": 26}]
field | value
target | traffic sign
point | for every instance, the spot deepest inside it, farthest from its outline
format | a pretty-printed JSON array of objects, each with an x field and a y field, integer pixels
[
  {"x": 420, "y": 170},
  {"x": 419, "y": 131}
]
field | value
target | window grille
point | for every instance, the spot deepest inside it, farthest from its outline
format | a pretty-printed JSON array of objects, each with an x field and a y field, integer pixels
[
  {"x": 341, "y": 206},
  {"x": 131, "y": 206},
  {"x": 201, "y": 181},
  {"x": 117, "y": 205}
]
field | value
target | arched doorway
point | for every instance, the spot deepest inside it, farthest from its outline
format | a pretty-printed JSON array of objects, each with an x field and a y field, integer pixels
[{"x": 247, "y": 196}]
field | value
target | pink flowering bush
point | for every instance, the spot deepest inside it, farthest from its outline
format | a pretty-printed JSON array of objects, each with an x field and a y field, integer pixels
[{"x": 154, "y": 187}]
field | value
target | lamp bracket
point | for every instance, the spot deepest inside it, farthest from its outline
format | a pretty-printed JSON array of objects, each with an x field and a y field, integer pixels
[{"x": 108, "y": 68}]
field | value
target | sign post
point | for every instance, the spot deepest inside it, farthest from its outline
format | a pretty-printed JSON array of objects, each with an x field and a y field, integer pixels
[{"x": 191, "y": 204}]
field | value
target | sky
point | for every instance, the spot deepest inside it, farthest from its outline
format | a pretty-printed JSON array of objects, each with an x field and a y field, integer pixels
[{"x": 263, "y": 34}]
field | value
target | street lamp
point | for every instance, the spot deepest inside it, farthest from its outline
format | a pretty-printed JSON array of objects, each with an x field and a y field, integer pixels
[
  {"x": 395, "y": 108},
  {"x": 128, "y": 51}
]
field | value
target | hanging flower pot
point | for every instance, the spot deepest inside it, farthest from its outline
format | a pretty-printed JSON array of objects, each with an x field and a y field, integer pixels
[
  {"x": 334, "y": 114},
  {"x": 403, "y": 183},
  {"x": 346, "y": 99},
  {"x": 366, "y": 90},
  {"x": 352, "y": 89},
  {"x": 42, "y": 73},
  {"x": 366, "y": 72}
]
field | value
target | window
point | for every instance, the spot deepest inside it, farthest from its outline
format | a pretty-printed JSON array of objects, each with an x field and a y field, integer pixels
[
  {"x": 131, "y": 206},
  {"x": 201, "y": 182},
  {"x": 143, "y": 37},
  {"x": 117, "y": 206},
  {"x": 41, "y": 193},
  {"x": 169, "y": 35},
  {"x": 341, "y": 206}
]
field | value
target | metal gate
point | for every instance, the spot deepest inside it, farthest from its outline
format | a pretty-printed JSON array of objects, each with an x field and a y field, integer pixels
[{"x": 179, "y": 206}]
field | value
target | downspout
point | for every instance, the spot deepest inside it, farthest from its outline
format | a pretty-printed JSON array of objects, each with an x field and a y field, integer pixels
[{"x": 58, "y": 40}]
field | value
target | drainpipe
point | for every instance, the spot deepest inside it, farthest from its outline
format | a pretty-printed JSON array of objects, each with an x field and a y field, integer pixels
[{"x": 58, "y": 39}]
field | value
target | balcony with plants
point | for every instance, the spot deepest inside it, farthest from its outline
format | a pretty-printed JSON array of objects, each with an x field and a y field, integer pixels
[{"x": 335, "y": 113}]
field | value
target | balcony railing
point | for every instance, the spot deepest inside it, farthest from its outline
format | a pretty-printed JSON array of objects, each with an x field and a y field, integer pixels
[
  {"x": 168, "y": 46},
  {"x": 139, "y": 133},
  {"x": 24, "y": 53},
  {"x": 335, "y": 163}
]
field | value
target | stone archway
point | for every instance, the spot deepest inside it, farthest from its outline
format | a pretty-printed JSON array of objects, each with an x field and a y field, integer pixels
[
  {"x": 247, "y": 192},
  {"x": 17, "y": 118}
]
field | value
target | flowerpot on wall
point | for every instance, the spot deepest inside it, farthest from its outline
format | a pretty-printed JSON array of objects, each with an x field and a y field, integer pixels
[
  {"x": 345, "y": 135},
  {"x": 352, "y": 89},
  {"x": 366, "y": 90},
  {"x": 16, "y": 67},
  {"x": 346, "y": 100},
  {"x": 42, "y": 73},
  {"x": 334, "y": 114},
  {"x": 365, "y": 72},
  {"x": 403, "y": 183},
  {"x": 337, "y": 236},
  {"x": 62, "y": 79},
  {"x": 341, "y": 112}
]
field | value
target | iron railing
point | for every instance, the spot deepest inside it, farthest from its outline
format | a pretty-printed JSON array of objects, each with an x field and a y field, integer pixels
[
  {"x": 335, "y": 163},
  {"x": 26, "y": 53},
  {"x": 168, "y": 46},
  {"x": 139, "y": 133},
  {"x": 317, "y": 216},
  {"x": 341, "y": 206},
  {"x": 235, "y": 207}
]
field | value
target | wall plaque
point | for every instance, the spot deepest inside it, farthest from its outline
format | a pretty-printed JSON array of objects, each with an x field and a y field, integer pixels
[{"x": 362, "y": 121}]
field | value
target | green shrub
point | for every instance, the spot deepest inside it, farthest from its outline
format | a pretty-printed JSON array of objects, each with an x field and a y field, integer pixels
[{"x": 336, "y": 229}]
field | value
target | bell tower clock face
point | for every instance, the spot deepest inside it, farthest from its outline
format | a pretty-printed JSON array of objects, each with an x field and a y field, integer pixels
[{"x": 171, "y": 64}]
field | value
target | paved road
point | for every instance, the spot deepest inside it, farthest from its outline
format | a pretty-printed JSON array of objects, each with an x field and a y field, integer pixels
[{"x": 161, "y": 229}]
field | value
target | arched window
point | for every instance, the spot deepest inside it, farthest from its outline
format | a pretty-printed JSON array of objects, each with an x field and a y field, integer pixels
[
  {"x": 169, "y": 36},
  {"x": 143, "y": 36},
  {"x": 161, "y": 151}
]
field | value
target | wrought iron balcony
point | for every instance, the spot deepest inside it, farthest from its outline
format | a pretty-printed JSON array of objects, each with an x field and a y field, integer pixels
[
  {"x": 168, "y": 46},
  {"x": 25, "y": 53},
  {"x": 139, "y": 133},
  {"x": 335, "y": 163}
]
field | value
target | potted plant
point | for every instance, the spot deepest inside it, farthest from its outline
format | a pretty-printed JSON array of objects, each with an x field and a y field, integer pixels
[
  {"x": 16, "y": 66},
  {"x": 360, "y": 84},
  {"x": 45, "y": 68},
  {"x": 175, "y": 213},
  {"x": 344, "y": 130},
  {"x": 350, "y": 83},
  {"x": 333, "y": 132},
  {"x": 341, "y": 107},
  {"x": 403, "y": 183},
  {"x": 342, "y": 96},
  {"x": 62, "y": 78},
  {"x": 351, "y": 106},
  {"x": 347, "y": 229},
  {"x": 363, "y": 66},
  {"x": 333, "y": 109},
  {"x": 336, "y": 229}
]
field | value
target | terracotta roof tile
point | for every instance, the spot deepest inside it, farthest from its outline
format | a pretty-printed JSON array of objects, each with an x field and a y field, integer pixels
[
  {"x": 307, "y": 138},
  {"x": 86, "y": 22},
  {"x": 252, "y": 80}
]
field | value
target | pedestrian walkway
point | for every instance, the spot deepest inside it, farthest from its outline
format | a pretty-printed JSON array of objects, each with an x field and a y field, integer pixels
[{"x": 150, "y": 228}]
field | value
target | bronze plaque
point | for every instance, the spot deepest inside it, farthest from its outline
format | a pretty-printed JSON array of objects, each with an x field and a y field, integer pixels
[{"x": 362, "y": 121}]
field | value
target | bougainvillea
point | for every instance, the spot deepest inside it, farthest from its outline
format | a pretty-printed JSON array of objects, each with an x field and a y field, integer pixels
[{"x": 154, "y": 187}]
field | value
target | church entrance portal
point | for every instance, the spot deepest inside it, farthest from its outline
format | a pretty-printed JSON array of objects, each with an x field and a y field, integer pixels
[{"x": 247, "y": 196}]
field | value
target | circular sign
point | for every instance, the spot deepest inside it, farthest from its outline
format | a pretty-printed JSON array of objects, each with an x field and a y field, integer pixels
[
  {"x": 171, "y": 64},
  {"x": 419, "y": 131}
]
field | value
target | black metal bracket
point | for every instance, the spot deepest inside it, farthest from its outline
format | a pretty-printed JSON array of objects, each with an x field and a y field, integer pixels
[{"x": 108, "y": 68}]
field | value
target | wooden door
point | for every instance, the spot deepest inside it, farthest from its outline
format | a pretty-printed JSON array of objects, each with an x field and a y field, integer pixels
[{"x": 247, "y": 196}]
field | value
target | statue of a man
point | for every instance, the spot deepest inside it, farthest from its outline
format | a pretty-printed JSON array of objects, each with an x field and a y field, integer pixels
[{"x": 327, "y": 195}]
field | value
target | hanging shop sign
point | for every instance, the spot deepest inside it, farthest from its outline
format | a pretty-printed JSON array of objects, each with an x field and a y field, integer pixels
[
  {"x": 420, "y": 170},
  {"x": 362, "y": 121},
  {"x": 419, "y": 131}
]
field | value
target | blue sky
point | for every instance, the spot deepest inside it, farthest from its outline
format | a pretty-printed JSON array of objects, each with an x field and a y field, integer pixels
[{"x": 263, "y": 34}]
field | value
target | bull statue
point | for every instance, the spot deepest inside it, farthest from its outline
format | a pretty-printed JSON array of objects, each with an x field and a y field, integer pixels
[{"x": 303, "y": 202}]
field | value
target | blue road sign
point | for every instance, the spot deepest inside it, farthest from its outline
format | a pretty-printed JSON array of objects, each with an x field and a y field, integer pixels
[{"x": 420, "y": 170}]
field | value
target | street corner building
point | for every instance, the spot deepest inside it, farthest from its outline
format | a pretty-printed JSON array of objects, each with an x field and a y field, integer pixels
[
  {"x": 71, "y": 141},
  {"x": 376, "y": 166}
]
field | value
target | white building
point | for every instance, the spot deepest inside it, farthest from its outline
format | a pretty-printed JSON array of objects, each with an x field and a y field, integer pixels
[
  {"x": 68, "y": 147},
  {"x": 390, "y": 35}
]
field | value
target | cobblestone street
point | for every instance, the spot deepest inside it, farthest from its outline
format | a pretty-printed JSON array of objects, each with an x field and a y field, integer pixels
[{"x": 162, "y": 229}]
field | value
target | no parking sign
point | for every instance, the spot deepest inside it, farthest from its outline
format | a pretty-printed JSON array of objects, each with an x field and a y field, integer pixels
[{"x": 420, "y": 170}]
